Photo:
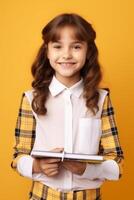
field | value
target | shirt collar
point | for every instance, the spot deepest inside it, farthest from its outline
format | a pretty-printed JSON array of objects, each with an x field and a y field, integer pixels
[{"x": 56, "y": 87}]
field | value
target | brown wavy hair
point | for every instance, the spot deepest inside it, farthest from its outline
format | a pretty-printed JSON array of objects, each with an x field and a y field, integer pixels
[{"x": 43, "y": 72}]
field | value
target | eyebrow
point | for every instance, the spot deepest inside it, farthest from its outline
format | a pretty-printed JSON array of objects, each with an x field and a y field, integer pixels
[{"x": 74, "y": 42}]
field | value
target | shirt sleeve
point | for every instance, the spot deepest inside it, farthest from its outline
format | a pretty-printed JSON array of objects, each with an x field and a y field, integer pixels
[
  {"x": 24, "y": 139},
  {"x": 110, "y": 148}
]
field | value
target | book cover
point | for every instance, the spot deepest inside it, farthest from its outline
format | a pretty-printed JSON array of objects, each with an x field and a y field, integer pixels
[{"x": 68, "y": 156}]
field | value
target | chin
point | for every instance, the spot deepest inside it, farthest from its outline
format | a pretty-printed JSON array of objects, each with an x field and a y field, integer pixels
[{"x": 67, "y": 75}]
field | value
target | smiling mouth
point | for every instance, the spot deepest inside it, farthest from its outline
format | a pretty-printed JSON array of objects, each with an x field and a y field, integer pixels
[{"x": 66, "y": 64}]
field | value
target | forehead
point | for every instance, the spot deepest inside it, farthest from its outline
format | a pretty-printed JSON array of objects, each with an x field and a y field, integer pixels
[{"x": 67, "y": 33}]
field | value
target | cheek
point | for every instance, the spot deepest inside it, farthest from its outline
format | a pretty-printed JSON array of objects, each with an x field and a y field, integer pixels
[
  {"x": 51, "y": 54},
  {"x": 84, "y": 56},
  {"x": 54, "y": 56},
  {"x": 80, "y": 56},
  {"x": 82, "y": 59},
  {"x": 52, "y": 59}
]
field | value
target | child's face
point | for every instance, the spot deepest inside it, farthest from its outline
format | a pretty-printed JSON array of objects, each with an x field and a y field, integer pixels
[{"x": 67, "y": 56}]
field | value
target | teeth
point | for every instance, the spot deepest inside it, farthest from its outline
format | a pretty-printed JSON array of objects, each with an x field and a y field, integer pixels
[{"x": 66, "y": 64}]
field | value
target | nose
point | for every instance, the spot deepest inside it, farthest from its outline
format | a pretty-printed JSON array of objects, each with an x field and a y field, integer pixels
[{"x": 67, "y": 54}]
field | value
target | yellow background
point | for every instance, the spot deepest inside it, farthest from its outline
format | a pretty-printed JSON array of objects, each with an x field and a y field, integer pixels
[{"x": 21, "y": 23}]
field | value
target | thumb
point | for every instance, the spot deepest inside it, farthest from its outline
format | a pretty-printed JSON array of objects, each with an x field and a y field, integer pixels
[{"x": 58, "y": 149}]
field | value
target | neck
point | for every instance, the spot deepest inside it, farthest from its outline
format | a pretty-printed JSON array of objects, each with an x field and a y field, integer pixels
[{"x": 68, "y": 81}]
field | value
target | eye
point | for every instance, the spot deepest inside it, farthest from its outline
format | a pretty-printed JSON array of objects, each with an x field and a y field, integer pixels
[
  {"x": 77, "y": 47},
  {"x": 57, "y": 46}
]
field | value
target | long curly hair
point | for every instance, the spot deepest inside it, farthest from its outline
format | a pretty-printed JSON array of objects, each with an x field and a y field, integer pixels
[{"x": 43, "y": 72}]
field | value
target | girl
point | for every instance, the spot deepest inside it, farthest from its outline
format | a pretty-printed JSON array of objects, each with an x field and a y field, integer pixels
[{"x": 66, "y": 109}]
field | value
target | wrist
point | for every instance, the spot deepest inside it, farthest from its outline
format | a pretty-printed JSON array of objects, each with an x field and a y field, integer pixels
[
  {"x": 36, "y": 166},
  {"x": 83, "y": 169}
]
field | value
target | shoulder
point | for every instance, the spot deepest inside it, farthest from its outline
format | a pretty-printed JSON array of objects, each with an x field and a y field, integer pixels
[
  {"x": 105, "y": 95},
  {"x": 28, "y": 92},
  {"x": 104, "y": 91},
  {"x": 107, "y": 104},
  {"x": 26, "y": 98},
  {"x": 28, "y": 95}
]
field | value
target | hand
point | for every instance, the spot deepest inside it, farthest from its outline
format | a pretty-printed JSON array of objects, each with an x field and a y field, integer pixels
[
  {"x": 75, "y": 166},
  {"x": 48, "y": 166}
]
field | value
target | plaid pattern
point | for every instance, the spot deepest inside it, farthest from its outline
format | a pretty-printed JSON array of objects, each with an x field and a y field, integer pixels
[
  {"x": 25, "y": 135},
  {"x": 43, "y": 192}
]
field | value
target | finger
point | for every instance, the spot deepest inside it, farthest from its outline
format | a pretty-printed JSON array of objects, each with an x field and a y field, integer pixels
[
  {"x": 54, "y": 160},
  {"x": 49, "y": 166},
  {"x": 53, "y": 166},
  {"x": 70, "y": 163},
  {"x": 50, "y": 160},
  {"x": 50, "y": 172},
  {"x": 58, "y": 149},
  {"x": 53, "y": 173},
  {"x": 66, "y": 163}
]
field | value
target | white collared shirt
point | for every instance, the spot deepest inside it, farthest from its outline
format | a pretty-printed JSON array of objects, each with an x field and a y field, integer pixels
[{"x": 67, "y": 124}]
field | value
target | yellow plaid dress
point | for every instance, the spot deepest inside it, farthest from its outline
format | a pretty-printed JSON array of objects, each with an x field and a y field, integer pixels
[{"x": 25, "y": 136}]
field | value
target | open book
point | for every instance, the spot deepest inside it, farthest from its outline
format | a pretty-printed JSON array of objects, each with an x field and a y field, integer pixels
[{"x": 68, "y": 156}]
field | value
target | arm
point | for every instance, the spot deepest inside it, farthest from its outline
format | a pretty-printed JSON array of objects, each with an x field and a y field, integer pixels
[
  {"x": 22, "y": 162},
  {"x": 110, "y": 148},
  {"x": 24, "y": 137}
]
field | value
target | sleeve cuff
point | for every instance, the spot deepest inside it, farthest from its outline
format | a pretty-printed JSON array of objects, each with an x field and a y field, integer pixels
[
  {"x": 109, "y": 170},
  {"x": 24, "y": 166}
]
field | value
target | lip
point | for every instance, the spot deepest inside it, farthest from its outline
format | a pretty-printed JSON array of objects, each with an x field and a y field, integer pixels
[
  {"x": 66, "y": 65},
  {"x": 66, "y": 62}
]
